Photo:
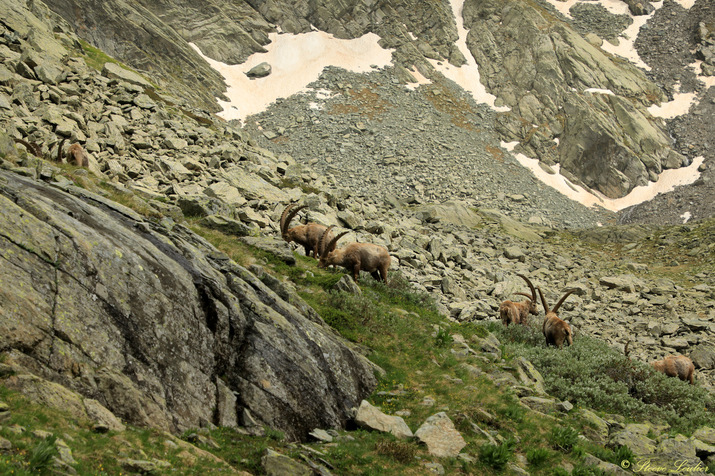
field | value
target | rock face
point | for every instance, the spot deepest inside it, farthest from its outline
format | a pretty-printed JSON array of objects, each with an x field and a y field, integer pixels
[
  {"x": 563, "y": 87},
  {"x": 155, "y": 324}
]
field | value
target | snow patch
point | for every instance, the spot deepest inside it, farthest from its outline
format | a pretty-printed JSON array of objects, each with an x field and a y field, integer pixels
[
  {"x": 296, "y": 61},
  {"x": 667, "y": 181}
]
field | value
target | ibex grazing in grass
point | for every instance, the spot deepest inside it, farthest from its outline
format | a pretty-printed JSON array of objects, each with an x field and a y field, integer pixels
[
  {"x": 307, "y": 235},
  {"x": 518, "y": 312},
  {"x": 556, "y": 330},
  {"x": 676, "y": 366},
  {"x": 355, "y": 257}
]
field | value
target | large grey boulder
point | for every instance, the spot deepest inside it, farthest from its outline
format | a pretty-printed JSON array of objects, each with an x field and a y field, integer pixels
[
  {"x": 372, "y": 418},
  {"x": 635, "y": 437},
  {"x": 148, "y": 321},
  {"x": 259, "y": 71},
  {"x": 440, "y": 436},
  {"x": 276, "y": 464},
  {"x": 703, "y": 356}
]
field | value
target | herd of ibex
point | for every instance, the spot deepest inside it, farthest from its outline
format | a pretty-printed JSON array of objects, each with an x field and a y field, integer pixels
[
  {"x": 557, "y": 331},
  {"x": 319, "y": 241}
]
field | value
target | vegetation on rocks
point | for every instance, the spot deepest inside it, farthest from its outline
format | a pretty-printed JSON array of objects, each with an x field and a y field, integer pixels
[{"x": 596, "y": 376}]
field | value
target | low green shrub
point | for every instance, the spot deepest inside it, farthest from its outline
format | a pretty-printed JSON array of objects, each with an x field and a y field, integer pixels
[
  {"x": 537, "y": 456},
  {"x": 520, "y": 335},
  {"x": 497, "y": 456},
  {"x": 593, "y": 375},
  {"x": 443, "y": 338},
  {"x": 563, "y": 438}
]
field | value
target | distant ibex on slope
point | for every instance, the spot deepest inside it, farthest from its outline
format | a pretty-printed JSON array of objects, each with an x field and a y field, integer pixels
[
  {"x": 75, "y": 151},
  {"x": 374, "y": 259},
  {"x": 676, "y": 366},
  {"x": 307, "y": 235},
  {"x": 518, "y": 312},
  {"x": 556, "y": 330}
]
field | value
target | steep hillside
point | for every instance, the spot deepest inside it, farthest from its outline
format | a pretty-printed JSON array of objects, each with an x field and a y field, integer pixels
[
  {"x": 566, "y": 100},
  {"x": 151, "y": 310}
]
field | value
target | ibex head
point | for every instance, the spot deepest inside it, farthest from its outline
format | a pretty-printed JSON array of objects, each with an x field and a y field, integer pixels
[
  {"x": 556, "y": 330},
  {"x": 532, "y": 298},
  {"x": 328, "y": 252},
  {"x": 288, "y": 214}
]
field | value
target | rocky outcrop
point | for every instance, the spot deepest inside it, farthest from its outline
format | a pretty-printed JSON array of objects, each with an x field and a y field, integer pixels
[{"x": 155, "y": 324}]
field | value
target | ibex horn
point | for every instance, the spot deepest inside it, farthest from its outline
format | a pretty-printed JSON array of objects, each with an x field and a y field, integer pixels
[
  {"x": 563, "y": 298},
  {"x": 288, "y": 215},
  {"x": 321, "y": 241},
  {"x": 531, "y": 286}
]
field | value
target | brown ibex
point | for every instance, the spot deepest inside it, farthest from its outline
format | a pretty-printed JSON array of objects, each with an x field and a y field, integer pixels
[
  {"x": 518, "y": 312},
  {"x": 307, "y": 235},
  {"x": 355, "y": 257},
  {"x": 556, "y": 330},
  {"x": 77, "y": 154},
  {"x": 676, "y": 366}
]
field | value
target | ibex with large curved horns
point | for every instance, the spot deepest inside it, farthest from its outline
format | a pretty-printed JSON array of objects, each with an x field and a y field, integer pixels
[
  {"x": 355, "y": 257},
  {"x": 307, "y": 235},
  {"x": 676, "y": 366},
  {"x": 556, "y": 330},
  {"x": 518, "y": 312}
]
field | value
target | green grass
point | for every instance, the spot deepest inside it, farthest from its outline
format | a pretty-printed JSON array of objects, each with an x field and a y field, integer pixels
[{"x": 95, "y": 58}]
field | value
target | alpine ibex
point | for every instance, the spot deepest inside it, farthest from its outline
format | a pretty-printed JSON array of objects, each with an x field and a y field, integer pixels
[
  {"x": 556, "y": 330},
  {"x": 307, "y": 235},
  {"x": 374, "y": 259},
  {"x": 77, "y": 153},
  {"x": 518, "y": 312},
  {"x": 676, "y": 366}
]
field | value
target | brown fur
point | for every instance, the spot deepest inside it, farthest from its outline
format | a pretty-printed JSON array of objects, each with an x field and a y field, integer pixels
[
  {"x": 356, "y": 257},
  {"x": 512, "y": 312},
  {"x": 676, "y": 366},
  {"x": 77, "y": 154},
  {"x": 307, "y": 235},
  {"x": 556, "y": 330}
]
